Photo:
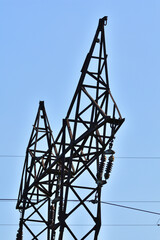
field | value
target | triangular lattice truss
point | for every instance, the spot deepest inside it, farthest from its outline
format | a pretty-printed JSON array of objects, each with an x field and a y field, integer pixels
[
  {"x": 34, "y": 197},
  {"x": 78, "y": 154},
  {"x": 89, "y": 128}
]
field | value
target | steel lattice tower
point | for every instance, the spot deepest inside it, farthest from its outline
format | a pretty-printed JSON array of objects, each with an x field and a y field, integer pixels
[{"x": 72, "y": 166}]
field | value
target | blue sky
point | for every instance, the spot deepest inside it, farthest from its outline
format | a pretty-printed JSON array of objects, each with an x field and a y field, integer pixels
[{"x": 43, "y": 45}]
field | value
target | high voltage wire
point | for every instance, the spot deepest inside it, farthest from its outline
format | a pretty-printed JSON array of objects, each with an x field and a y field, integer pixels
[
  {"x": 108, "y": 203},
  {"x": 122, "y": 206},
  {"x": 8, "y": 199},
  {"x": 138, "y": 157},
  {"x": 125, "y": 157},
  {"x": 131, "y": 208},
  {"x": 112, "y": 201},
  {"x": 86, "y": 225},
  {"x": 103, "y": 225},
  {"x": 11, "y": 156}
]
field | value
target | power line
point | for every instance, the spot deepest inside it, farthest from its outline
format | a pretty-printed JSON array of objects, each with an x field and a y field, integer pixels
[
  {"x": 86, "y": 225},
  {"x": 136, "y": 157},
  {"x": 104, "y": 202},
  {"x": 127, "y": 201},
  {"x": 10, "y": 156},
  {"x": 119, "y": 157},
  {"x": 8, "y": 199},
  {"x": 112, "y": 201},
  {"x": 131, "y": 208},
  {"x": 122, "y": 206}
]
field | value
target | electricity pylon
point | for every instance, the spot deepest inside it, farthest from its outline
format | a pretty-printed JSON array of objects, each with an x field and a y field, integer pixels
[
  {"x": 76, "y": 161},
  {"x": 33, "y": 198}
]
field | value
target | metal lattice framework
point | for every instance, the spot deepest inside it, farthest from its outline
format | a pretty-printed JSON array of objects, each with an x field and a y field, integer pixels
[{"x": 72, "y": 165}]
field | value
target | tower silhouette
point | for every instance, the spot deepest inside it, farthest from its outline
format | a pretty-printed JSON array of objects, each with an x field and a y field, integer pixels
[{"x": 71, "y": 170}]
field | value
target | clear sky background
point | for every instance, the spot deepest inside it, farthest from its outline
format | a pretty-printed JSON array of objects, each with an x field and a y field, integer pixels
[{"x": 43, "y": 45}]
